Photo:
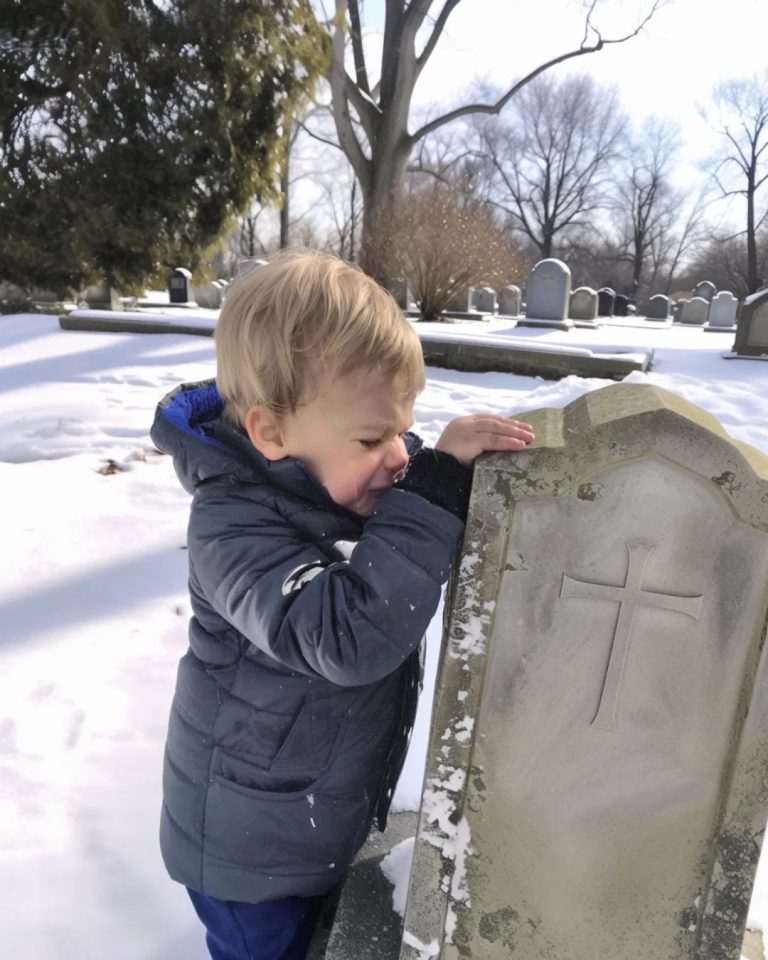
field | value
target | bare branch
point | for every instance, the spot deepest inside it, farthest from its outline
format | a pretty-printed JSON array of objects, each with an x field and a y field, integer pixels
[
  {"x": 361, "y": 74},
  {"x": 496, "y": 107},
  {"x": 437, "y": 30}
]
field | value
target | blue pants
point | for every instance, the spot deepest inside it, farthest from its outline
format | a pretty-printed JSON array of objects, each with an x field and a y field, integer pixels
[{"x": 274, "y": 930}]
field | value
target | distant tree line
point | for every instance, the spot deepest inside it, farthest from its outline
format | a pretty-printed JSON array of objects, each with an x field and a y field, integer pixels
[{"x": 137, "y": 135}]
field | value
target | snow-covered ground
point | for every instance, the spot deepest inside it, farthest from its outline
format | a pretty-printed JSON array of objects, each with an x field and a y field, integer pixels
[{"x": 93, "y": 609}]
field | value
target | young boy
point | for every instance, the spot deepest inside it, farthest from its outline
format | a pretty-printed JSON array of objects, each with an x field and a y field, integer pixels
[{"x": 320, "y": 535}]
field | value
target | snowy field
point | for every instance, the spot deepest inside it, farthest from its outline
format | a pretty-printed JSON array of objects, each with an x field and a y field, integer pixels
[{"x": 94, "y": 610}]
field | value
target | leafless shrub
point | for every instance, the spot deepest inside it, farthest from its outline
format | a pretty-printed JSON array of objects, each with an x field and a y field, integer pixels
[{"x": 442, "y": 242}]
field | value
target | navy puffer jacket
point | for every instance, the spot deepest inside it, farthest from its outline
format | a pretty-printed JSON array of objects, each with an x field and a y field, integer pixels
[{"x": 295, "y": 700}]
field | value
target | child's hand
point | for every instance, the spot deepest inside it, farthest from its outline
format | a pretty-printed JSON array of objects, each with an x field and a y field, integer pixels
[{"x": 467, "y": 437}]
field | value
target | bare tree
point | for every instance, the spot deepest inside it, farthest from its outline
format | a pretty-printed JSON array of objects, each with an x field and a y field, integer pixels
[
  {"x": 549, "y": 164},
  {"x": 372, "y": 115},
  {"x": 742, "y": 168},
  {"x": 647, "y": 204}
]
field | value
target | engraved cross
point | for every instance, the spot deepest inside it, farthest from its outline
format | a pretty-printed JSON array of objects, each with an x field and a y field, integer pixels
[{"x": 628, "y": 596}]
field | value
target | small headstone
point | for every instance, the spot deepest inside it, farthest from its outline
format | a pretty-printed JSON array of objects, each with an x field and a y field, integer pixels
[
  {"x": 605, "y": 300},
  {"x": 178, "y": 286},
  {"x": 677, "y": 309},
  {"x": 484, "y": 300},
  {"x": 658, "y": 308},
  {"x": 547, "y": 294},
  {"x": 695, "y": 310},
  {"x": 398, "y": 287},
  {"x": 723, "y": 310},
  {"x": 583, "y": 304},
  {"x": 595, "y": 785},
  {"x": 209, "y": 295},
  {"x": 509, "y": 300},
  {"x": 101, "y": 296},
  {"x": 621, "y": 305},
  {"x": 752, "y": 328},
  {"x": 462, "y": 301},
  {"x": 705, "y": 289},
  {"x": 247, "y": 264}
]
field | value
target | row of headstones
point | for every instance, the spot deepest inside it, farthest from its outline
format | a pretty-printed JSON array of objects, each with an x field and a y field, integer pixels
[
  {"x": 209, "y": 295},
  {"x": 550, "y": 298}
]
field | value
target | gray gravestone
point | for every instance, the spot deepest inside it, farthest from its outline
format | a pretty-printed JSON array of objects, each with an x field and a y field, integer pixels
[
  {"x": 695, "y": 310},
  {"x": 606, "y": 297},
  {"x": 484, "y": 300},
  {"x": 209, "y": 295},
  {"x": 677, "y": 309},
  {"x": 705, "y": 289},
  {"x": 596, "y": 779},
  {"x": 658, "y": 308},
  {"x": 178, "y": 286},
  {"x": 723, "y": 310},
  {"x": 398, "y": 287},
  {"x": 101, "y": 296},
  {"x": 547, "y": 293},
  {"x": 509, "y": 300},
  {"x": 462, "y": 301},
  {"x": 246, "y": 265},
  {"x": 583, "y": 304},
  {"x": 621, "y": 305},
  {"x": 752, "y": 328}
]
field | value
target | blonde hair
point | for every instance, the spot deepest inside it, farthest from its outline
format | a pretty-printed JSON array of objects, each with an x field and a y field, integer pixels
[{"x": 303, "y": 317}]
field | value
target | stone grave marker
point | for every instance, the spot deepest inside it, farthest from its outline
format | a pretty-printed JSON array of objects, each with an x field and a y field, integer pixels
[
  {"x": 752, "y": 328},
  {"x": 178, "y": 286},
  {"x": 547, "y": 294},
  {"x": 704, "y": 288},
  {"x": 596, "y": 784},
  {"x": 658, "y": 308},
  {"x": 677, "y": 309},
  {"x": 398, "y": 287},
  {"x": 101, "y": 296},
  {"x": 621, "y": 305},
  {"x": 695, "y": 310},
  {"x": 209, "y": 295},
  {"x": 462, "y": 301},
  {"x": 484, "y": 300},
  {"x": 247, "y": 264},
  {"x": 606, "y": 297},
  {"x": 722, "y": 311},
  {"x": 509, "y": 300},
  {"x": 583, "y": 304}
]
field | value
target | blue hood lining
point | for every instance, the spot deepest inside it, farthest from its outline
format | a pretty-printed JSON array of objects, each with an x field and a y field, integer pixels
[{"x": 189, "y": 409}]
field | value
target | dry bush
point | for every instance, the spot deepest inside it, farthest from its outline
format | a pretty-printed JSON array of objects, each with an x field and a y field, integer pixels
[{"x": 442, "y": 242}]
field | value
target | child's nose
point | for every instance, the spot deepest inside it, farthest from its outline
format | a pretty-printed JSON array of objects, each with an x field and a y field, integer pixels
[{"x": 397, "y": 456}]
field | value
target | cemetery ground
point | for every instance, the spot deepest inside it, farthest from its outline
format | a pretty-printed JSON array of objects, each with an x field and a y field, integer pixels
[{"x": 94, "y": 612}]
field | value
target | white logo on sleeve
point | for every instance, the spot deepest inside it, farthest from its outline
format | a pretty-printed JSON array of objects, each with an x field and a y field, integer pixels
[{"x": 301, "y": 576}]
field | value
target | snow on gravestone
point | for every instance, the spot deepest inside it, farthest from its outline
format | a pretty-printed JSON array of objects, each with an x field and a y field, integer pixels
[{"x": 597, "y": 778}]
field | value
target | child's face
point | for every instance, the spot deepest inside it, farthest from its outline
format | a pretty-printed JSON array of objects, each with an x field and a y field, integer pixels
[{"x": 350, "y": 435}]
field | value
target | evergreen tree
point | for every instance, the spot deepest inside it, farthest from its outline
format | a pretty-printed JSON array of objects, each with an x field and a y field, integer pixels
[{"x": 133, "y": 131}]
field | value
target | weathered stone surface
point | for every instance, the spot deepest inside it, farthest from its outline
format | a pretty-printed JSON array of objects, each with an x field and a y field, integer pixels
[
  {"x": 658, "y": 308},
  {"x": 597, "y": 785},
  {"x": 705, "y": 289},
  {"x": 509, "y": 300},
  {"x": 695, "y": 310},
  {"x": 583, "y": 304},
  {"x": 529, "y": 360},
  {"x": 752, "y": 330},
  {"x": 723, "y": 311}
]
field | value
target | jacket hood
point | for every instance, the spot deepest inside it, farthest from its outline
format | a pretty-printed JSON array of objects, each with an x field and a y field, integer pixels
[{"x": 190, "y": 426}]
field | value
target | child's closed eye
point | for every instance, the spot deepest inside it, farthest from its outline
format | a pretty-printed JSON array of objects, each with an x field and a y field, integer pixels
[{"x": 370, "y": 444}]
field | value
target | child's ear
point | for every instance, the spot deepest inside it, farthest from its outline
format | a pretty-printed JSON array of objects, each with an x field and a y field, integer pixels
[{"x": 263, "y": 429}]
